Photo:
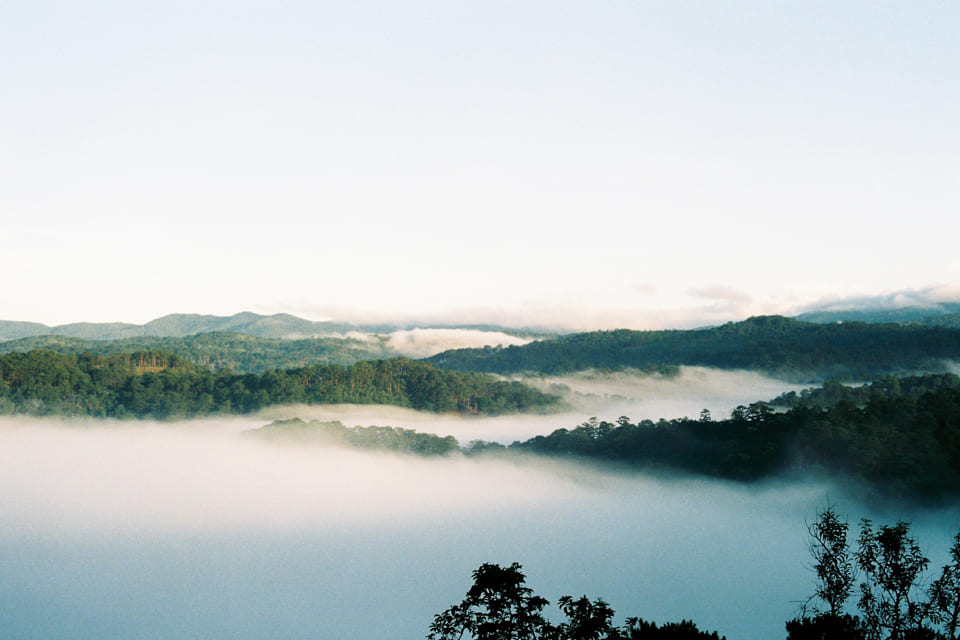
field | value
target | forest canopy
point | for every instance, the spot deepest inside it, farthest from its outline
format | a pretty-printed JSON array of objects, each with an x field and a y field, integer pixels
[
  {"x": 774, "y": 344},
  {"x": 154, "y": 384}
]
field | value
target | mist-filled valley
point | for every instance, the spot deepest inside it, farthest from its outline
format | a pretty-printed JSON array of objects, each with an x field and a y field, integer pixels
[
  {"x": 605, "y": 395},
  {"x": 141, "y": 529}
]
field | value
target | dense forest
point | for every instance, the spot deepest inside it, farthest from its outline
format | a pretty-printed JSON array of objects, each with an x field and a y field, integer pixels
[
  {"x": 334, "y": 433},
  {"x": 781, "y": 346},
  {"x": 221, "y": 349},
  {"x": 902, "y": 440},
  {"x": 832, "y": 392},
  {"x": 894, "y": 443},
  {"x": 773, "y": 344},
  {"x": 152, "y": 384}
]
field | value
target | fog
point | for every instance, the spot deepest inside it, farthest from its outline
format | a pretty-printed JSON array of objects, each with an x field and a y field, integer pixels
[
  {"x": 423, "y": 343},
  {"x": 149, "y": 530},
  {"x": 606, "y": 396}
]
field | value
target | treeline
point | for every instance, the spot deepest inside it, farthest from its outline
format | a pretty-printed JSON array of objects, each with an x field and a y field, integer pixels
[
  {"x": 151, "y": 384},
  {"x": 768, "y": 343},
  {"x": 500, "y": 606},
  {"x": 832, "y": 392},
  {"x": 897, "y": 443},
  {"x": 392, "y": 439},
  {"x": 220, "y": 350},
  {"x": 900, "y": 445},
  {"x": 886, "y": 570}
]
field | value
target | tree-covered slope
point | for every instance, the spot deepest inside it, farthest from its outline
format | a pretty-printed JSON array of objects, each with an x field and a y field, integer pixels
[
  {"x": 222, "y": 349},
  {"x": 769, "y": 343},
  {"x": 897, "y": 442},
  {"x": 160, "y": 385},
  {"x": 942, "y": 314}
]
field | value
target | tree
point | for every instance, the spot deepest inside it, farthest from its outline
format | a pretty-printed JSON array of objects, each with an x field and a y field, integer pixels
[
  {"x": 825, "y": 626},
  {"x": 945, "y": 594},
  {"x": 499, "y": 606},
  {"x": 832, "y": 563},
  {"x": 637, "y": 629},
  {"x": 892, "y": 563},
  {"x": 586, "y": 620}
]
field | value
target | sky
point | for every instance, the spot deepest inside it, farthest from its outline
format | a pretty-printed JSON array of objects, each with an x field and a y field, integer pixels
[{"x": 591, "y": 165}]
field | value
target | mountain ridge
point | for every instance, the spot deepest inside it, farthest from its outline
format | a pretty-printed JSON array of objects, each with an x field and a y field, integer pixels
[{"x": 178, "y": 325}]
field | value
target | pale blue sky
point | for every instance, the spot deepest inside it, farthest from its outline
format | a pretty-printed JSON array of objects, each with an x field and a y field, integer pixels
[{"x": 589, "y": 164}]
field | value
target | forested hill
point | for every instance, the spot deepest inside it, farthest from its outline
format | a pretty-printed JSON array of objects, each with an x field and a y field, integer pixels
[
  {"x": 221, "y": 349},
  {"x": 773, "y": 344},
  {"x": 160, "y": 385},
  {"x": 900, "y": 442}
]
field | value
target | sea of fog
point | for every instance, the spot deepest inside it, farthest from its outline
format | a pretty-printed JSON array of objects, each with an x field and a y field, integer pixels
[
  {"x": 192, "y": 530},
  {"x": 604, "y": 395}
]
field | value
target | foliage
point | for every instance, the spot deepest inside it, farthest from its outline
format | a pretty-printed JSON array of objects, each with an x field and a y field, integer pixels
[
  {"x": 825, "y": 626},
  {"x": 900, "y": 446},
  {"x": 637, "y": 629},
  {"x": 944, "y": 594},
  {"x": 153, "y": 384},
  {"x": 770, "y": 343},
  {"x": 892, "y": 563},
  {"x": 220, "y": 350},
  {"x": 893, "y": 602},
  {"x": 586, "y": 619},
  {"x": 376, "y": 438},
  {"x": 499, "y": 606},
  {"x": 832, "y": 562},
  {"x": 833, "y": 393}
]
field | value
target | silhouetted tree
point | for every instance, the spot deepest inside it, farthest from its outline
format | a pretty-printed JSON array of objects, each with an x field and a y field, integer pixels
[
  {"x": 586, "y": 620},
  {"x": 499, "y": 606},
  {"x": 832, "y": 563},
  {"x": 637, "y": 629},
  {"x": 825, "y": 626},
  {"x": 893, "y": 603},
  {"x": 892, "y": 563},
  {"x": 945, "y": 594}
]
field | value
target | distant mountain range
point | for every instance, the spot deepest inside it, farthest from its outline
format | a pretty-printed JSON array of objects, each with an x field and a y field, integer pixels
[
  {"x": 851, "y": 344},
  {"x": 178, "y": 325},
  {"x": 245, "y": 342},
  {"x": 942, "y": 314},
  {"x": 286, "y": 326}
]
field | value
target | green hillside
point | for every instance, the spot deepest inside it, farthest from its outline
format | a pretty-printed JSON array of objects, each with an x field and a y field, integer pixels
[
  {"x": 773, "y": 344},
  {"x": 152, "y": 384}
]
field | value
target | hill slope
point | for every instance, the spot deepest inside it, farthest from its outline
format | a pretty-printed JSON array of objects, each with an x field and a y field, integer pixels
[{"x": 769, "y": 343}]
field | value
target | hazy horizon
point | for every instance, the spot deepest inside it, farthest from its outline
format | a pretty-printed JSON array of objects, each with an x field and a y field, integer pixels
[
  {"x": 630, "y": 164},
  {"x": 557, "y": 319}
]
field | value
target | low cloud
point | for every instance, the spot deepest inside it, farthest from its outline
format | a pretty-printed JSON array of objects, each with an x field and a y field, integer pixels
[
  {"x": 644, "y": 288},
  {"x": 928, "y": 297},
  {"x": 422, "y": 343},
  {"x": 721, "y": 293}
]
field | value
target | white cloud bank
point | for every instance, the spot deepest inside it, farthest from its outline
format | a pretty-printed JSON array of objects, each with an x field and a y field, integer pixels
[{"x": 422, "y": 343}]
